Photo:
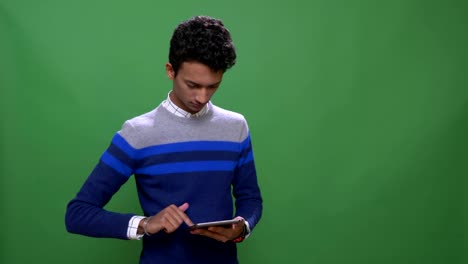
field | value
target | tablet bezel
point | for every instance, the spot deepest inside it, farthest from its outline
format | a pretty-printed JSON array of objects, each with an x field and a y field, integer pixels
[{"x": 222, "y": 223}]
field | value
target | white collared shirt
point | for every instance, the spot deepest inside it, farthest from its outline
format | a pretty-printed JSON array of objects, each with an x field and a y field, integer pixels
[{"x": 173, "y": 108}]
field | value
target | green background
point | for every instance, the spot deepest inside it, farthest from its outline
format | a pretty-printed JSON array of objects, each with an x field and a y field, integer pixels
[{"x": 358, "y": 112}]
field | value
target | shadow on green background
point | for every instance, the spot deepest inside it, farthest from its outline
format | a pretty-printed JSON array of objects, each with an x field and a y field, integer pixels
[{"x": 358, "y": 112}]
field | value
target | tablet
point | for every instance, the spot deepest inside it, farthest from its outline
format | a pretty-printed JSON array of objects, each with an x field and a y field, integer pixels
[{"x": 223, "y": 223}]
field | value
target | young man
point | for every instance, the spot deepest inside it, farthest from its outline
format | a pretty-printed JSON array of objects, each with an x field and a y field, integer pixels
[{"x": 189, "y": 158}]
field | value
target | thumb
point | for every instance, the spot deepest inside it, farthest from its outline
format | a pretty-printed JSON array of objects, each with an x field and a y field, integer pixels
[{"x": 184, "y": 207}]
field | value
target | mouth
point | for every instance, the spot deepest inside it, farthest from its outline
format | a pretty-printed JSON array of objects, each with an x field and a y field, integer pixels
[{"x": 197, "y": 106}]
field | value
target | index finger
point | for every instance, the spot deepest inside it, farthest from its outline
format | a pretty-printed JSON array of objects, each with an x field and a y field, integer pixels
[
  {"x": 181, "y": 212},
  {"x": 186, "y": 219}
]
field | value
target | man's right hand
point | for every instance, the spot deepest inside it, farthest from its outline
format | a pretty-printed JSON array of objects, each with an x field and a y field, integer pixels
[{"x": 168, "y": 219}]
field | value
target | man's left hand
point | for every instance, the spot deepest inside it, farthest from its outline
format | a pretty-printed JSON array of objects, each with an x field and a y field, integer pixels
[{"x": 223, "y": 234}]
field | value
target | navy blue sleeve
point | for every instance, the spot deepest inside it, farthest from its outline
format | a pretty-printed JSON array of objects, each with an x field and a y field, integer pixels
[
  {"x": 245, "y": 186},
  {"x": 85, "y": 213}
]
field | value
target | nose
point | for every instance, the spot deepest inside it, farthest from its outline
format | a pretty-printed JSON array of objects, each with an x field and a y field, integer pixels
[{"x": 203, "y": 96}]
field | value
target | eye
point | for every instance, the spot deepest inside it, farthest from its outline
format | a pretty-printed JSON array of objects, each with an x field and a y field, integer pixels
[
  {"x": 214, "y": 86},
  {"x": 191, "y": 85}
]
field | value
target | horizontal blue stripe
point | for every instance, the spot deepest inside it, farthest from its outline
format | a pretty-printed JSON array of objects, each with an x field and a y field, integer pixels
[
  {"x": 189, "y": 157},
  {"x": 246, "y": 143},
  {"x": 121, "y": 143},
  {"x": 119, "y": 154},
  {"x": 246, "y": 159},
  {"x": 182, "y": 167},
  {"x": 189, "y": 146},
  {"x": 116, "y": 164}
]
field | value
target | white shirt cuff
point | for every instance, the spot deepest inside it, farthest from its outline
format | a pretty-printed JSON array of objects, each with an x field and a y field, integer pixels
[
  {"x": 247, "y": 226},
  {"x": 132, "y": 231}
]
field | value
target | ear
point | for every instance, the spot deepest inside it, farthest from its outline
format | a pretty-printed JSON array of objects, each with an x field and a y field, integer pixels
[{"x": 170, "y": 71}]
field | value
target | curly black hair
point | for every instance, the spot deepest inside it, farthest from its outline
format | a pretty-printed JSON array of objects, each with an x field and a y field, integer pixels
[{"x": 203, "y": 39}]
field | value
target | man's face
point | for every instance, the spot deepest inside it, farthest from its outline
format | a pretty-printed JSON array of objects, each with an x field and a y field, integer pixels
[{"x": 193, "y": 86}]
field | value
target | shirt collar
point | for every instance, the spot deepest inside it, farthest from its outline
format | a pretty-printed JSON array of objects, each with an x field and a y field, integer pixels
[{"x": 173, "y": 108}]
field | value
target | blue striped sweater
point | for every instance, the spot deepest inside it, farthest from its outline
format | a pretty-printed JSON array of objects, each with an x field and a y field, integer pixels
[{"x": 204, "y": 161}]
